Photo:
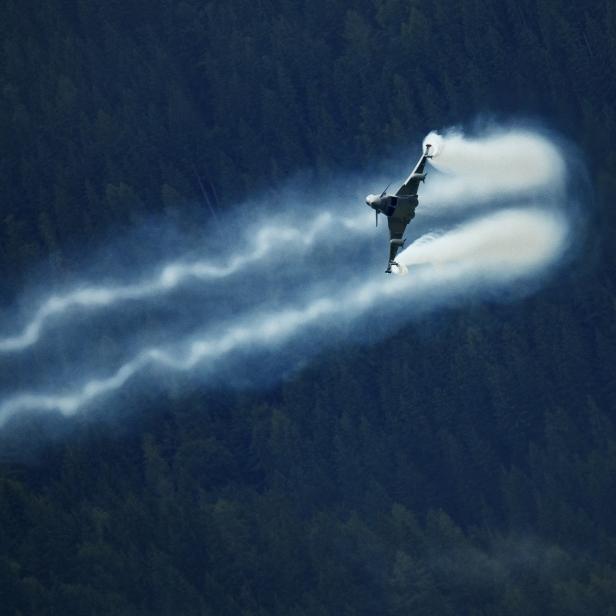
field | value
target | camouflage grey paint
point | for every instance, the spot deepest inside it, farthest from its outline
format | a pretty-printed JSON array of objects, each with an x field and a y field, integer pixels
[{"x": 400, "y": 207}]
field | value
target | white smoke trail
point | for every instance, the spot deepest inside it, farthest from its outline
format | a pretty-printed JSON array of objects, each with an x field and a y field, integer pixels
[
  {"x": 498, "y": 164},
  {"x": 502, "y": 245},
  {"x": 170, "y": 277},
  {"x": 480, "y": 169},
  {"x": 478, "y": 252},
  {"x": 516, "y": 243}
]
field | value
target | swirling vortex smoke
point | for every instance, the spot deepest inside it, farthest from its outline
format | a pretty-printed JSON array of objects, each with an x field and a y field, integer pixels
[{"x": 510, "y": 184}]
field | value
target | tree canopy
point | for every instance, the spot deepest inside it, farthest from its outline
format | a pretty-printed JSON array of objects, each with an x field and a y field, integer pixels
[{"x": 479, "y": 477}]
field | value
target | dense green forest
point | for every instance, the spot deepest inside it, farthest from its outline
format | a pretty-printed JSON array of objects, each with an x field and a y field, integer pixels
[{"x": 473, "y": 473}]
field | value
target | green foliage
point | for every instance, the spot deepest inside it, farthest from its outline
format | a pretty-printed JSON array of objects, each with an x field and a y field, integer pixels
[{"x": 465, "y": 469}]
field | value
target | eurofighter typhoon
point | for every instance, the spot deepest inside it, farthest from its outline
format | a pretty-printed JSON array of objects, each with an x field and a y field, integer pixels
[{"x": 399, "y": 207}]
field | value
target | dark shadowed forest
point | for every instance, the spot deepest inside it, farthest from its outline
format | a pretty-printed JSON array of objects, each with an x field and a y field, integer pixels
[{"x": 466, "y": 466}]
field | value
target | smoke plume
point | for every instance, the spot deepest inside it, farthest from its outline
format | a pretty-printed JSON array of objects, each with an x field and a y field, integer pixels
[{"x": 292, "y": 279}]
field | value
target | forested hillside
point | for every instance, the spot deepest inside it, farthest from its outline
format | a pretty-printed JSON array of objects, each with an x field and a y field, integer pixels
[{"x": 467, "y": 468}]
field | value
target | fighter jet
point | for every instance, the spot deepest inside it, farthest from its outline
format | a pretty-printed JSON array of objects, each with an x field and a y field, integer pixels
[{"x": 400, "y": 207}]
